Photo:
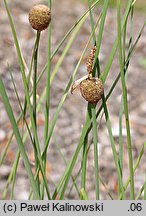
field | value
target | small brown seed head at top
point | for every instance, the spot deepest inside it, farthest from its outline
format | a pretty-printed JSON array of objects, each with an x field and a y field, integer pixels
[
  {"x": 90, "y": 61},
  {"x": 92, "y": 89},
  {"x": 40, "y": 17}
]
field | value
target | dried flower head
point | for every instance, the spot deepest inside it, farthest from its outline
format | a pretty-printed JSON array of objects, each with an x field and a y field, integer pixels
[
  {"x": 91, "y": 89},
  {"x": 40, "y": 17},
  {"x": 90, "y": 61}
]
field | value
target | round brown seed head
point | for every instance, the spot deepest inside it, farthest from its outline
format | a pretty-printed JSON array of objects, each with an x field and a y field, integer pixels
[
  {"x": 91, "y": 89},
  {"x": 39, "y": 17}
]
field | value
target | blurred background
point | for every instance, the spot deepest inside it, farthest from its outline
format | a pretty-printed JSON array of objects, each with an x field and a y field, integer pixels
[{"x": 72, "y": 116}]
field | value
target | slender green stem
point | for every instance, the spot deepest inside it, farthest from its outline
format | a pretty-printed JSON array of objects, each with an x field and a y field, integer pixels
[
  {"x": 99, "y": 38},
  {"x": 101, "y": 28},
  {"x": 121, "y": 137},
  {"x": 35, "y": 78},
  {"x": 47, "y": 99},
  {"x": 92, "y": 108},
  {"x": 29, "y": 76},
  {"x": 91, "y": 21},
  {"x": 125, "y": 72},
  {"x": 84, "y": 163},
  {"x": 85, "y": 143},
  {"x": 34, "y": 98},
  {"x": 95, "y": 142},
  {"x": 108, "y": 123},
  {"x": 140, "y": 192},
  {"x": 113, "y": 51},
  {"x": 144, "y": 196},
  {"x": 14, "y": 174},
  {"x": 125, "y": 101},
  {"x": 121, "y": 112},
  {"x": 124, "y": 40},
  {"x": 48, "y": 81}
]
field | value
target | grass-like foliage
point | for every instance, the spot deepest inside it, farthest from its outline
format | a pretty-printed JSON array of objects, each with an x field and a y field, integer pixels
[{"x": 40, "y": 187}]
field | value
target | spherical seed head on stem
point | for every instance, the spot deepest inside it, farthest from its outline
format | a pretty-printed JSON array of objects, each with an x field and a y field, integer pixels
[
  {"x": 92, "y": 89},
  {"x": 39, "y": 17}
]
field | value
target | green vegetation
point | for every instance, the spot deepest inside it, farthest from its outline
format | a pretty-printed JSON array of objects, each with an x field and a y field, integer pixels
[
  {"x": 139, "y": 4},
  {"x": 40, "y": 187}
]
